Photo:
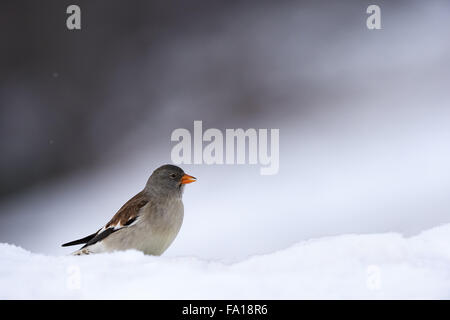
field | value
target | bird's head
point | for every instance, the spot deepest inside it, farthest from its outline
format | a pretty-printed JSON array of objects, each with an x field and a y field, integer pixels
[{"x": 168, "y": 180}]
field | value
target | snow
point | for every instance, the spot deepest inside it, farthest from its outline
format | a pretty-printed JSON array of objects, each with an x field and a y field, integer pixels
[{"x": 352, "y": 266}]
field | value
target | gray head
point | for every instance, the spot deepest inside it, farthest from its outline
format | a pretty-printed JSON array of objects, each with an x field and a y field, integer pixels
[{"x": 168, "y": 181}]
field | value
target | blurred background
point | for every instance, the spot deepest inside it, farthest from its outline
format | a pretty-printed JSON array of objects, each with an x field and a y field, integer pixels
[{"x": 86, "y": 116}]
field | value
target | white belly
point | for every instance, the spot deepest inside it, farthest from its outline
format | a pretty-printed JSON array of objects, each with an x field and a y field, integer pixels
[{"x": 153, "y": 233}]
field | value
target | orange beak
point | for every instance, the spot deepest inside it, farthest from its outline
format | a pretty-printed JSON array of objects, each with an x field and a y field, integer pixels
[{"x": 187, "y": 179}]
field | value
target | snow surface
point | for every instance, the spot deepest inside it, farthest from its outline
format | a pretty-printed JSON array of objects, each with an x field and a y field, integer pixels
[{"x": 369, "y": 266}]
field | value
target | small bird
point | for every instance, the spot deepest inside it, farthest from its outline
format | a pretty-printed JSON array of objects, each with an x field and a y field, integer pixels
[{"x": 148, "y": 222}]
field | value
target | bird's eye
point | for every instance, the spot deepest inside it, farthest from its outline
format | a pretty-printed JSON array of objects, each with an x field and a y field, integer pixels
[{"x": 173, "y": 175}]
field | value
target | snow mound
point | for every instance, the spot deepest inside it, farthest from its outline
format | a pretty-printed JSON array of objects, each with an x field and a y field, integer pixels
[{"x": 373, "y": 266}]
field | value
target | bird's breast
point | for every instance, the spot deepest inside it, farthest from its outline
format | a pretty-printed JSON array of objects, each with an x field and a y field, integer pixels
[{"x": 161, "y": 224}]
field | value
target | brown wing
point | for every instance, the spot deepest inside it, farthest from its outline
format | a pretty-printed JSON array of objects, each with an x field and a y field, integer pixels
[
  {"x": 124, "y": 217},
  {"x": 128, "y": 212}
]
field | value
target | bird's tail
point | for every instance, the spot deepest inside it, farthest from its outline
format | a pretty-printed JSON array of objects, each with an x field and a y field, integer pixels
[{"x": 80, "y": 241}]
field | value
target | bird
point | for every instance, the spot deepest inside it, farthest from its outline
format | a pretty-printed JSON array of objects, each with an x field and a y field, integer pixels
[{"x": 148, "y": 222}]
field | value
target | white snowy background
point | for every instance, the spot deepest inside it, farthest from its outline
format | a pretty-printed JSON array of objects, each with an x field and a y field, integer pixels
[
  {"x": 366, "y": 176},
  {"x": 377, "y": 266}
]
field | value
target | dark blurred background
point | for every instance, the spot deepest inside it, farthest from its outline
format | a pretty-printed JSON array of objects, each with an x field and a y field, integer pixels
[
  {"x": 358, "y": 110},
  {"x": 67, "y": 97}
]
